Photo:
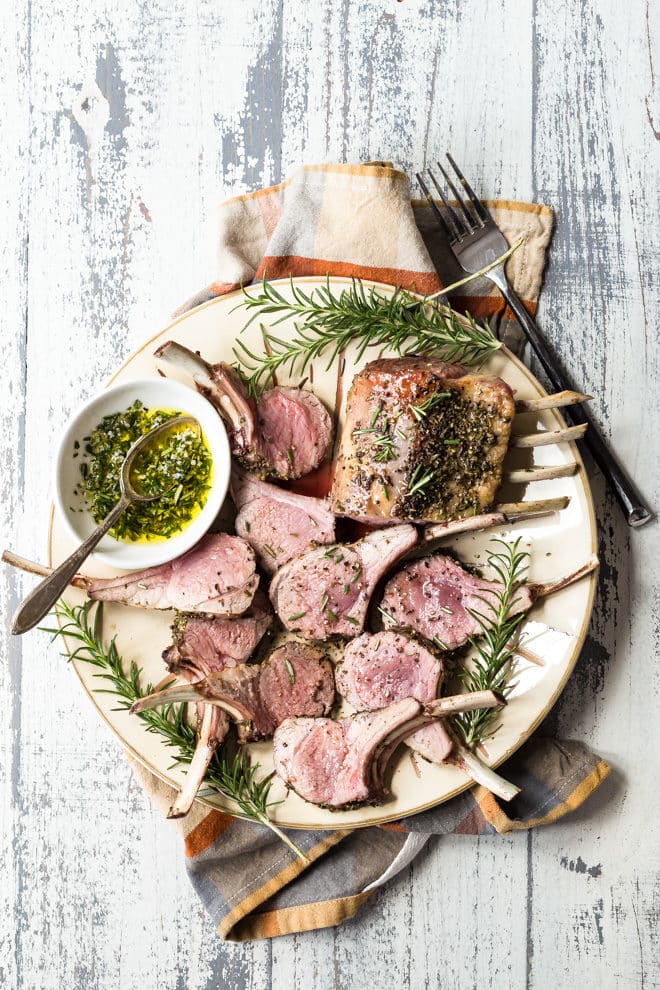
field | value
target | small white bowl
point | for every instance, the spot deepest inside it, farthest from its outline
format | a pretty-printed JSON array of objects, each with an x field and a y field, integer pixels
[{"x": 154, "y": 393}]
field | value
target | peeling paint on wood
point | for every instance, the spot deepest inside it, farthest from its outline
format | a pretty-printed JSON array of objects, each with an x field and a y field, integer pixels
[{"x": 124, "y": 126}]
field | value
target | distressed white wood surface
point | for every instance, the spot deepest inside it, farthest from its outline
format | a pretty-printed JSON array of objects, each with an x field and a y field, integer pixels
[{"x": 123, "y": 125}]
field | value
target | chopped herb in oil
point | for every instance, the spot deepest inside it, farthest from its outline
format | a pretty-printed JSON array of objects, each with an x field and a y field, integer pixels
[{"x": 178, "y": 464}]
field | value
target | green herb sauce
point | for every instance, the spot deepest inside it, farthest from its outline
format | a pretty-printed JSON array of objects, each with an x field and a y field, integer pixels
[{"x": 179, "y": 461}]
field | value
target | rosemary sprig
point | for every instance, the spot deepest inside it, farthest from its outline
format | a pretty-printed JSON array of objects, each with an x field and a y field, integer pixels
[
  {"x": 328, "y": 323},
  {"x": 495, "y": 642},
  {"x": 232, "y": 776},
  {"x": 422, "y": 409},
  {"x": 382, "y": 440},
  {"x": 419, "y": 479}
]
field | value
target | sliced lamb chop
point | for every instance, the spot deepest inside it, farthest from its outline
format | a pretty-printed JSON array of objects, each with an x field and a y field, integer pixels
[
  {"x": 326, "y": 592},
  {"x": 379, "y": 669},
  {"x": 340, "y": 764},
  {"x": 203, "y": 645},
  {"x": 435, "y": 595},
  {"x": 285, "y": 434},
  {"x": 217, "y": 577},
  {"x": 296, "y": 679},
  {"x": 278, "y": 524},
  {"x": 424, "y": 441}
]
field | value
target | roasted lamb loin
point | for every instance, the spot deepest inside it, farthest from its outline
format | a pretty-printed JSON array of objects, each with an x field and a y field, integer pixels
[
  {"x": 340, "y": 764},
  {"x": 285, "y": 434},
  {"x": 435, "y": 596},
  {"x": 278, "y": 524},
  {"x": 326, "y": 591},
  {"x": 296, "y": 679},
  {"x": 217, "y": 577},
  {"x": 424, "y": 440}
]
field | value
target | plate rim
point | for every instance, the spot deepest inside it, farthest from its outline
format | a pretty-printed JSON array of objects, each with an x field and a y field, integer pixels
[{"x": 579, "y": 639}]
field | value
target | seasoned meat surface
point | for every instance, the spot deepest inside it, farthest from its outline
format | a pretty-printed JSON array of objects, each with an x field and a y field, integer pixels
[
  {"x": 422, "y": 440},
  {"x": 279, "y": 524},
  {"x": 379, "y": 669},
  {"x": 285, "y": 433},
  {"x": 217, "y": 577},
  {"x": 434, "y": 596},
  {"x": 294, "y": 430},
  {"x": 296, "y": 679},
  {"x": 204, "y": 644},
  {"x": 339, "y": 764},
  {"x": 384, "y": 667},
  {"x": 326, "y": 592}
]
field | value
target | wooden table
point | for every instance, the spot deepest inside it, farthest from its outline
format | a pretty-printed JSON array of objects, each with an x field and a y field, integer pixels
[{"x": 124, "y": 124}]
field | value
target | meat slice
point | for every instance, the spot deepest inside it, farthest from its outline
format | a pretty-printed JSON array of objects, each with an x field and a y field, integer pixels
[
  {"x": 296, "y": 679},
  {"x": 333, "y": 764},
  {"x": 379, "y": 669},
  {"x": 285, "y": 433},
  {"x": 326, "y": 592},
  {"x": 435, "y": 596},
  {"x": 344, "y": 763},
  {"x": 278, "y": 524},
  {"x": 217, "y": 577},
  {"x": 385, "y": 667},
  {"x": 422, "y": 441},
  {"x": 203, "y": 644}
]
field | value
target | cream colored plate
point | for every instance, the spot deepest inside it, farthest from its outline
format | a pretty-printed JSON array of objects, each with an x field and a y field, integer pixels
[{"x": 556, "y": 627}]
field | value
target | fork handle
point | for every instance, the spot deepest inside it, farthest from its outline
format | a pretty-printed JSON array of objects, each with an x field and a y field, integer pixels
[{"x": 627, "y": 495}]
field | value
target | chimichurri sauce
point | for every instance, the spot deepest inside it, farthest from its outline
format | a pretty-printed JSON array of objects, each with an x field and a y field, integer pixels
[{"x": 179, "y": 461}]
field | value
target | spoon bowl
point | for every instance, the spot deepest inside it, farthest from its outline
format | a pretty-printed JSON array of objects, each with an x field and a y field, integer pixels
[{"x": 125, "y": 481}]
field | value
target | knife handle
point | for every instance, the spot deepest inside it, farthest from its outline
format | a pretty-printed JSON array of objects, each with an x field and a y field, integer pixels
[{"x": 635, "y": 510}]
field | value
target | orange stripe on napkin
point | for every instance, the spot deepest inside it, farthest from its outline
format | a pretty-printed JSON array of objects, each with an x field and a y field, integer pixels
[
  {"x": 299, "y": 918},
  {"x": 204, "y": 835},
  {"x": 283, "y": 267}
]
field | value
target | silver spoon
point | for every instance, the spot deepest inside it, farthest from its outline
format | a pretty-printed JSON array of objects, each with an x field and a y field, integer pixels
[{"x": 44, "y": 596}]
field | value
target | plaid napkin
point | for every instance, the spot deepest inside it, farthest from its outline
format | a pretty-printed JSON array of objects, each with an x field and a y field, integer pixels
[{"x": 359, "y": 220}]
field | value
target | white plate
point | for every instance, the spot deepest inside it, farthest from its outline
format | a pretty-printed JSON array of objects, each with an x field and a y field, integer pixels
[{"x": 558, "y": 624}]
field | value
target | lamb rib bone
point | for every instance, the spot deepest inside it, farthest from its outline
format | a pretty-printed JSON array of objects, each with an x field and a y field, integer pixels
[
  {"x": 548, "y": 437},
  {"x": 504, "y": 514},
  {"x": 549, "y": 472},
  {"x": 554, "y": 401}
]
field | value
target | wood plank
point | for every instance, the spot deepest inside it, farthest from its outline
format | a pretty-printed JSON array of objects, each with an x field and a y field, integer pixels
[
  {"x": 595, "y": 878},
  {"x": 186, "y": 104},
  {"x": 14, "y": 151}
]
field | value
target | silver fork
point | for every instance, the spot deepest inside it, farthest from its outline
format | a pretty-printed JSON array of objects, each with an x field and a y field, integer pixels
[{"x": 476, "y": 241}]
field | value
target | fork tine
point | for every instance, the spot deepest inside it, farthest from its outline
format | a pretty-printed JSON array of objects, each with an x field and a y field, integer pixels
[
  {"x": 434, "y": 206},
  {"x": 472, "y": 226},
  {"x": 479, "y": 207},
  {"x": 457, "y": 226}
]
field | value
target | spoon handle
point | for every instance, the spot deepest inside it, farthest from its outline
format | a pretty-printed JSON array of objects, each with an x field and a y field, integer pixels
[{"x": 44, "y": 596}]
